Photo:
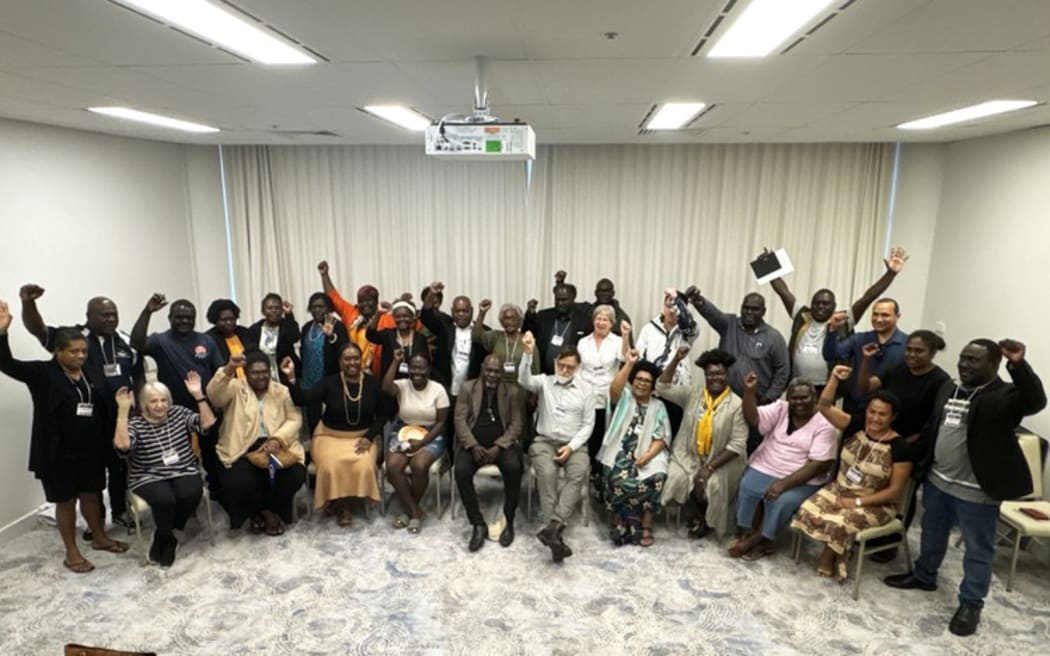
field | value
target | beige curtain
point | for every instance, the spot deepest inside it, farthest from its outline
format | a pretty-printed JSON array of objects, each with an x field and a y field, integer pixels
[{"x": 647, "y": 217}]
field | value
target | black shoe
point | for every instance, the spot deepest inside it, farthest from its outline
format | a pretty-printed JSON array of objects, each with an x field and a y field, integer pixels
[
  {"x": 883, "y": 556},
  {"x": 507, "y": 536},
  {"x": 167, "y": 553},
  {"x": 560, "y": 551},
  {"x": 907, "y": 581},
  {"x": 477, "y": 538},
  {"x": 88, "y": 535},
  {"x": 965, "y": 620},
  {"x": 155, "y": 550}
]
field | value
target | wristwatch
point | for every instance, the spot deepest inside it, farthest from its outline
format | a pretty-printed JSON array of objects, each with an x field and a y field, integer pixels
[{"x": 856, "y": 500}]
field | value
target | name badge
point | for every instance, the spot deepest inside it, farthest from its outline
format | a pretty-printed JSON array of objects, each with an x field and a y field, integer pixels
[
  {"x": 557, "y": 340},
  {"x": 509, "y": 367},
  {"x": 402, "y": 368},
  {"x": 854, "y": 475},
  {"x": 111, "y": 370},
  {"x": 85, "y": 409},
  {"x": 170, "y": 458},
  {"x": 952, "y": 419}
]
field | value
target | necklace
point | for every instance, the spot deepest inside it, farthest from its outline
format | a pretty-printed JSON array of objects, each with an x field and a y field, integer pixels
[{"x": 347, "y": 398}]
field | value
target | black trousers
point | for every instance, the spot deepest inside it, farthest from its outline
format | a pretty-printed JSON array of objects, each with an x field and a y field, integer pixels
[
  {"x": 510, "y": 467},
  {"x": 172, "y": 502},
  {"x": 210, "y": 460},
  {"x": 247, "y": 491}
]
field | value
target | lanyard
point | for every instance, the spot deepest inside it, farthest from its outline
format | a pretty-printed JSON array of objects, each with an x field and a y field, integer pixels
[
  {"x": 568, "y": 324},
  {"x": 112, "y": 350},
  {"x": 76, "y": 386},
  {"x": 506, "y": 346}
]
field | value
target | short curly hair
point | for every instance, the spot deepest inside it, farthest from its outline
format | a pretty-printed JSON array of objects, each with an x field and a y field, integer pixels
[{"x": 220, "y": 305}]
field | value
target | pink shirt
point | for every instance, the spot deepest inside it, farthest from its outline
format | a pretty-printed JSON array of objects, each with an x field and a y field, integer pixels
[{"x": 780, "y": 454}]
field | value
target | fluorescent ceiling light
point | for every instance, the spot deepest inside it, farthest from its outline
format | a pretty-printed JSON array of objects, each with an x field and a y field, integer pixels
[
  {"x": 671, "y": 116},
  {"x": 152, "y": 119},
  {"x": 400, "y": 115},
  {"x": 223, "y": 28},
  {"x": 964, "y": 114},
  {"x": 764, "y": 25}
]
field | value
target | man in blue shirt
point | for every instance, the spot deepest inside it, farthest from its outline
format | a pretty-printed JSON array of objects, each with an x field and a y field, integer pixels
[{"x": 850, "y": 350}]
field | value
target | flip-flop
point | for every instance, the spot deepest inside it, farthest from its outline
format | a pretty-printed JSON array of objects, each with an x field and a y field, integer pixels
[
  {"x": 401, "y": 521},
  {"x": 115, "y": 546},
  {"x": 647, "y": 538},
  {"x": 275, "y": 530},
  {"x": 82, "y": 567},
  {"x": 841, "y": 571},
  {"x": 415, "y": 524},
  {"x": 757, "y": 553}
]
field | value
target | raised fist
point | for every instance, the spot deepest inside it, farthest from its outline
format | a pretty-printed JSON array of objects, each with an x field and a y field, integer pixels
[
  {"x": 559, "y": 277},
  {"x": 322, "y": 267},
  {"x": 751, "y": 380},
  {"x": 485, "y": 305},
  {"x": 842, "y": 372},
  {"x": 30, "y": 292},
  {"x": 1012, "y": 349},
  {"x": 156, "y": 302},
  {"x": 528, "y": 340},
  {"x": 870, "y": 350}
]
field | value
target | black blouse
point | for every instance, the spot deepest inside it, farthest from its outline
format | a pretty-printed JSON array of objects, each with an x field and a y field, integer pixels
[{"x": 341, "y": 413}]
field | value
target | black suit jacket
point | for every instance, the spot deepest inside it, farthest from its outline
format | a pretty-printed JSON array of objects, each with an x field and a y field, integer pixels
[
  {"x": 242, "y": 333},
  {"x": 444, "y": 330},
  {"x": 287, "y": 337},
  {"x": 541, "y": 324},
  {"x": 995, "y": 413}
]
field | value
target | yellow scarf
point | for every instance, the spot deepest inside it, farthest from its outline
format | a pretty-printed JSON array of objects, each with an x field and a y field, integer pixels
[{"x": 705, "y": 425}]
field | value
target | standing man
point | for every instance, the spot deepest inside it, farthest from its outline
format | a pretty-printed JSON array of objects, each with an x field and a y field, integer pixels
[
  {"x": 889, "y": 346},
  {"x": 178, "y": 351},
  {"x": 973, "y": 462},
  {"x": 489, "y": 420},
  {"x": 455, "y": 358},
  {"x": 556, "y": 327},
  {"x": 565, "y": 421},
  {"x": 809, "y": 324},
  {"x": 111, "y": 364},
  {"x": 757, "y": 346}
]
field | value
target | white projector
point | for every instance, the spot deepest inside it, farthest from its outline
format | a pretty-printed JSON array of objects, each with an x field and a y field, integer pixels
[{"x": 495, "y": 141}]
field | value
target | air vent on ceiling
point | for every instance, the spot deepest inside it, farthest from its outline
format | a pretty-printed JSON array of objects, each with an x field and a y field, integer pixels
[
  {"x": 304, "y": 133},
  {"x": 724, "y": 14}
]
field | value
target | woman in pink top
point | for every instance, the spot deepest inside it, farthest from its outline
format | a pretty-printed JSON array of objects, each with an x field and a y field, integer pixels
[{"x": 791, "y": 463}]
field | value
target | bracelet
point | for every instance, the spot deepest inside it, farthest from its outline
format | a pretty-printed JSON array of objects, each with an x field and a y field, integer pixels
[
  {"x": 858, "y": 502},
  {"x": 203, "y": 399}
]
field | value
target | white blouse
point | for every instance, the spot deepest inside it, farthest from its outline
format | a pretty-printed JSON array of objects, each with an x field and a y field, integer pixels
[{"x": 598, "y": 364}]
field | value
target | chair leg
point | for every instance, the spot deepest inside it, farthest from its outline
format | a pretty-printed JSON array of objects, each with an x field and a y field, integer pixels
[
  {"x": 1013, "y": 561},
  {"x": 530, "y": 478},
  {"x": 796, "y": 546},
  {"x": 437, "y": 493},
  {"x": 678, "y": 518},
  {"x": 211, "y": 523},
  {"x": 452, "y": 496},
  {"x": 860, "y": 567},
  {"x": 907, "y": 549}
]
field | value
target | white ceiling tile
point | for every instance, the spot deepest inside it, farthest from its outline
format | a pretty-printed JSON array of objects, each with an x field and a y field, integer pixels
[{"x": 571, "y": 82}]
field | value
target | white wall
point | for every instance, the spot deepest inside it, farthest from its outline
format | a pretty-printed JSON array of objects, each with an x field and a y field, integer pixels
[
  {"x": 987, "y": 276},
  {"x": 85, "y": 214}
]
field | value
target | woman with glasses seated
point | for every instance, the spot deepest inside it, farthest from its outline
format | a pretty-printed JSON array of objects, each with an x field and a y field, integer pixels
[{"x": 633, "y": 453}]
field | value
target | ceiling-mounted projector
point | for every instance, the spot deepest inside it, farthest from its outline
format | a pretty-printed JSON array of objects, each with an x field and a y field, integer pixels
[{"x": 480, "y": 136}]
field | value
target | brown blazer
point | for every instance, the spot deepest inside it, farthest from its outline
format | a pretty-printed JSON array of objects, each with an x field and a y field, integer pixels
[{"x": 510, "y": 401}]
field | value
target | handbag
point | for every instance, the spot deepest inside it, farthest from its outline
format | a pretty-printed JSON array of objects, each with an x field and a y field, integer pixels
[{"x": 261, "y": 459}]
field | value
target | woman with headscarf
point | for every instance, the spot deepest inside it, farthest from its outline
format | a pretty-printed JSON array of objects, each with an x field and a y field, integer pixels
[{"x": 710, "y": 449}]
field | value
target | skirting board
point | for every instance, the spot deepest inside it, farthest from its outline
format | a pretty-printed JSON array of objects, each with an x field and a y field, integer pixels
[{"x": 22, "y": 525}]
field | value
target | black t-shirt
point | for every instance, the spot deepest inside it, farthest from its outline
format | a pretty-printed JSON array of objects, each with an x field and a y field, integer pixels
[
  {"x": 917, "y": 395},
  {"x": 488, "y": 426},
  {"x": 341, "y": 413}
]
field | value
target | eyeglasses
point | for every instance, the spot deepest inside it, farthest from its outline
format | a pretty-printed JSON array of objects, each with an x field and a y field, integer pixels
[
  {"x": 566, "y": 367},
  {"x": 644, "y": 381}
]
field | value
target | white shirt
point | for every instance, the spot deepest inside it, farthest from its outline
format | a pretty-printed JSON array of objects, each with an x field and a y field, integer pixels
[
  {"x": 655, "y": 344},
  {"x": 598, "y": 364},
  {"x": 461, "y": 344},
  {"x": 565, "y": 412}
]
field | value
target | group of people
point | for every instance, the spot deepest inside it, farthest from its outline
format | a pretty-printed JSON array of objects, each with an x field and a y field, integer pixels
[{"x": 601, "y": 410}]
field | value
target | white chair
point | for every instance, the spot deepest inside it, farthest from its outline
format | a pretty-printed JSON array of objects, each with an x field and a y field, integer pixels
[
  {"x": 438, "y": 469},
  {"x": 1010, "y": 511},
  {"x": 861, "y": 539},
  {"x": 585, "y": 493},
  {"x": 489, "y": 471}
]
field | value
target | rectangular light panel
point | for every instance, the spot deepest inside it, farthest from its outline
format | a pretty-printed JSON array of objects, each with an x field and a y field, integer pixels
[
  {"x": 764, "y": 25},
  {"x": 973, "y": 112},
  {"x": 672, "y": 116},
  {"x": 153, "y": 119}
]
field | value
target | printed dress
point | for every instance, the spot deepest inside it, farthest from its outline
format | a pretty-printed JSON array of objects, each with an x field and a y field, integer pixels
[
  {"x": 627, "y": 495},
  {"x": 821, "y": 518}
]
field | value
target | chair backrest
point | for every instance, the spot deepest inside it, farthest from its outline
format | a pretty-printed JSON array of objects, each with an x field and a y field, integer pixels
[
  {"x": 904, "y": 502},
  {"x": 1030, "y": 448}
]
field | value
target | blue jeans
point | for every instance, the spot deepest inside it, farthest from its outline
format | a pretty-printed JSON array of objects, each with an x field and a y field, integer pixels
[
  {"x": 778, "y": 512},
  {"x": 977, "y": 521}
]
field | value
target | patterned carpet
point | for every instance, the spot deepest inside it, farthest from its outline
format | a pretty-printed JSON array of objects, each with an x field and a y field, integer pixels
[{"x": 369, "y": 589}]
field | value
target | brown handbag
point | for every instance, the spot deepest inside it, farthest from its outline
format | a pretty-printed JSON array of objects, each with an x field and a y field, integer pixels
[{"x": 261, "y": 459}]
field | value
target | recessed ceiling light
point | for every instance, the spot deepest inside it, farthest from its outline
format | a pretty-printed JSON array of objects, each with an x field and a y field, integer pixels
[
  {"x": 964, "y": 114},
  {"x": 223, "y": 28},
  {"x": 671, "y": 116},
  {"x": 400, "y": 115},
  {"x": 764, "y": 25},
  {"x": 152, "y": 119}
]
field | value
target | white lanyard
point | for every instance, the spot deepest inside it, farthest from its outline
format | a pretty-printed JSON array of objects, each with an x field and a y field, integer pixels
[
  {"x": 76, "y": 386},
  {"x": 506, "y": 346}
]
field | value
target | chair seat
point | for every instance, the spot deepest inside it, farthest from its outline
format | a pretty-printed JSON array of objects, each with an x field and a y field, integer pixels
[
  {"x": 894, "y": 527},
  {"x": 137, "y": 503},
  {"x": 492, "y": 471},
  {"x": 1010, "y": 513}
]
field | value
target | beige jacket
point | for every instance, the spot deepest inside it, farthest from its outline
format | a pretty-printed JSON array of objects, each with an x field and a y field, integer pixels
[{"x": 240, "y": 417}]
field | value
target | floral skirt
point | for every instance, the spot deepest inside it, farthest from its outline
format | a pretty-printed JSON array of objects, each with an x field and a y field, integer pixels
[{"x": 628, "y": 497}]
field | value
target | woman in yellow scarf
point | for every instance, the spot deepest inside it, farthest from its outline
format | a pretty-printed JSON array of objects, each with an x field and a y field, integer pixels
[{"x": 709, "y": 452}]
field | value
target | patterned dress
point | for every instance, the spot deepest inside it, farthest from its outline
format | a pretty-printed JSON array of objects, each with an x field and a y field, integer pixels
[
  {"x": 627, "y": 496},
  {"x": 865, "y": 468}
]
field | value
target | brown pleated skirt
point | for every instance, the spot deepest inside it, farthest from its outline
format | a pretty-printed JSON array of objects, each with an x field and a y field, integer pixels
[{"x": 341, "y": 471}]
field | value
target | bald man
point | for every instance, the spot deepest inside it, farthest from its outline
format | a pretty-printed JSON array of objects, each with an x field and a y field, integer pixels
[{"x": 111, "y": 364}]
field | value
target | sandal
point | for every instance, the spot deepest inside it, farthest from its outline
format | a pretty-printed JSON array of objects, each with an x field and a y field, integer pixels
[
  {"x": 275, "y": 529},
  {"x": 83, "y": 566},
  {"x": 647, "y": 537},
  {"x": 841, "y": 569},
  {"x": 401, "y": 521},
  {"x": 415, "y": 525},
  {"x": 344, "y": 518},
  {"x": 114, "y": 546},
  {"x": 759, "y": 552}
]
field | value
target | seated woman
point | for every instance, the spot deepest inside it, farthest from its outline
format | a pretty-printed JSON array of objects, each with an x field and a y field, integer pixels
[
  {"x": 422, "y": 406},
  {"x": 162, "y": 468},
  {"x": 506, "y": 343},
  {"x": 343, "y": 446},
  {"x": 792, "y": 461},
  {"x": 321, "y": 341},
  {"x": 68, "y": 443},
  {"x": 229, "y": 336},
  {"x": 276, "y": 333},
  {"x": 710, "y": 449},
  {"x": 633, "y": 453},
  {"x": 258, "y": 444},
  {"x": 875, "y": 465}
]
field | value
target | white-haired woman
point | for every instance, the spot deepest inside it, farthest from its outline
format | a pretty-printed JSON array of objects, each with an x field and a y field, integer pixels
[
  {"x": 506, "y": 343},
  {"x": 601, "y": 353},
  {"x": 162, "y": 468}
]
